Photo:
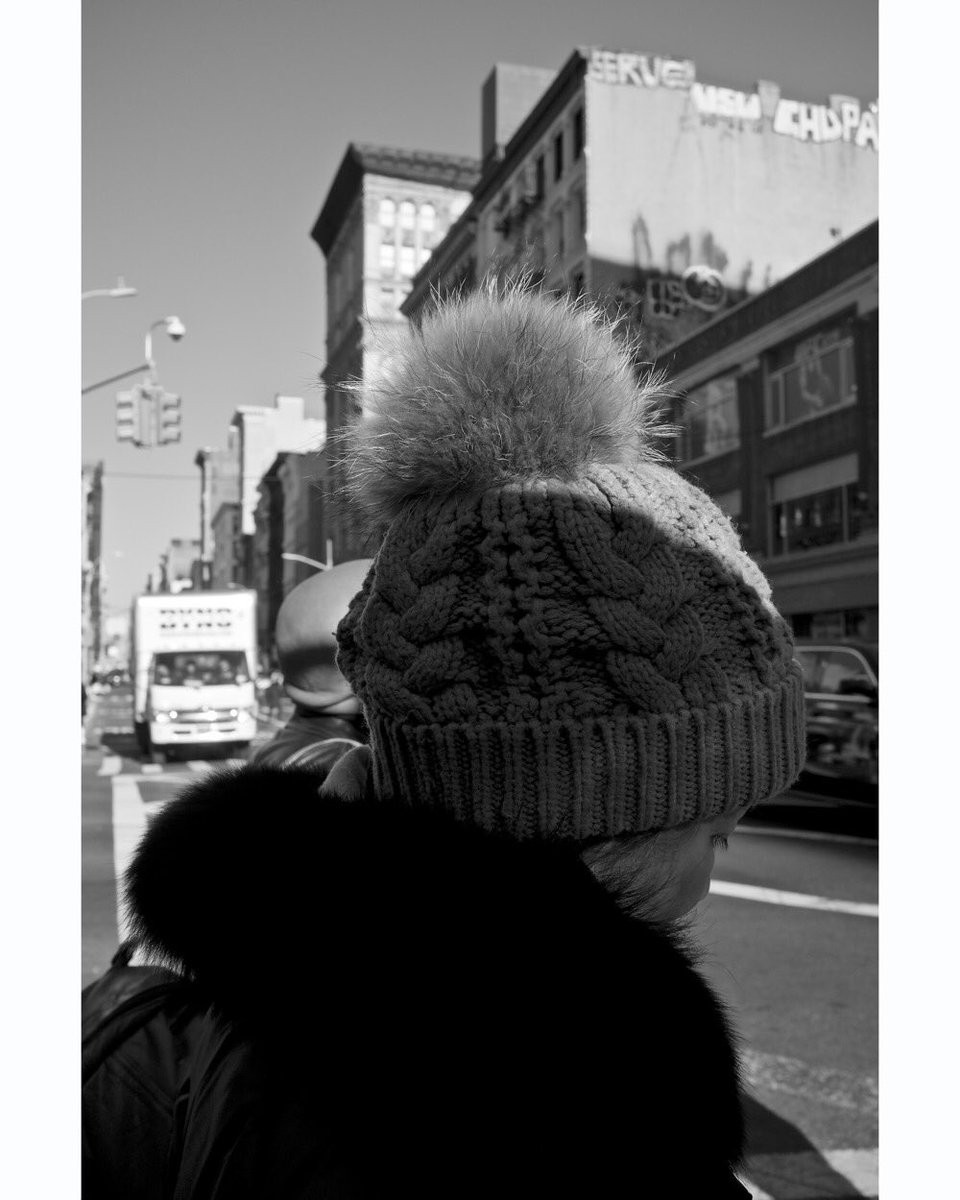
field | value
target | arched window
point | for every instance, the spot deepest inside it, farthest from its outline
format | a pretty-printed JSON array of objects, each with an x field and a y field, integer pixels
[
  {"x": 388, "y": 213},
  {"x": 428, "y": 218},
  {"x": 408, "y": 214},
  {"x": 388, "y": 257}
]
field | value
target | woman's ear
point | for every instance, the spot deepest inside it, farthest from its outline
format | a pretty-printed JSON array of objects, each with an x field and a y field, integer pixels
[{"x": 348, "y": 778}]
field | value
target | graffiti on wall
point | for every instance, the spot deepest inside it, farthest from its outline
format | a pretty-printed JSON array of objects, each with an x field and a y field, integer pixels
[
  {"x": 842, "y": 120},
  {"x": 668, "y": 304}
]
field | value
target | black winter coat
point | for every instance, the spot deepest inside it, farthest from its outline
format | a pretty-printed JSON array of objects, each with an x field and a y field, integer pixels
[{"x": 387, "y": 1003}]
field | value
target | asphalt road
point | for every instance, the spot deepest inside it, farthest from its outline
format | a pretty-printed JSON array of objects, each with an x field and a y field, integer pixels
[{"x": 789, "y": 935}]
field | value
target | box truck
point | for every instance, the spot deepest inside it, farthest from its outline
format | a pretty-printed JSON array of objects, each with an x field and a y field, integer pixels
[{"x": 192, "y": 662}]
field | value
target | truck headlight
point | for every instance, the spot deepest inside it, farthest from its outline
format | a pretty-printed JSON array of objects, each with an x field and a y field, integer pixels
[{"x": 162, "y": 718}]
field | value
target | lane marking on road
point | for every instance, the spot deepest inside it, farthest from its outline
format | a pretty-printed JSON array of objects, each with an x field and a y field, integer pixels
[
  {"x": 746, "y": 891},
  {"x": 812, "y": 1175},
  {"x": 809, "y": 835},
  {"x": 129, "y": 822},
  {"x": 825, "y": 1085},
  {"x": 111, "y": 765}
]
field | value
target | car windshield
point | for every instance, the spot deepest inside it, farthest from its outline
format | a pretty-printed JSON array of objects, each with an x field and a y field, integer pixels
[{"x": 191, "y": 668}]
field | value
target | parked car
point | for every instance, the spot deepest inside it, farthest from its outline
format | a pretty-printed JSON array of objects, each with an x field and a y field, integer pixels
[{"x": 841, "y": 681}]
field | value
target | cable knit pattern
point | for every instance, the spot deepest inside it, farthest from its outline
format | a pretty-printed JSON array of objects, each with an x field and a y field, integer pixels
[{"x": 578, "y": 654}]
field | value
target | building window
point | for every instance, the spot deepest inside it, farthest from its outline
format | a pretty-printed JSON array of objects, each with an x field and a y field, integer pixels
[
  {"x": 709, "y": 420},
  {"x": 558, "y": 155},
  {"x": 816, "y": 506},
  {"x": 810, "y": 377},
  {"x": 388, "y": 213},
  {"x": 578, "y": 140},
  {"x": 540, "y": 176},
  {"x": 558, "y": 239},
  {"x": 408, "y": 262},
  {"x": 388, "y": 257},
  {"x": 408, "y": 214},
  {"x": 428, "y": 218},
  {"x": 579, "y": 204}
]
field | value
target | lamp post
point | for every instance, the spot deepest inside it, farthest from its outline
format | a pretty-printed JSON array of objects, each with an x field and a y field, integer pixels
[
  {"x": 174, "y": 327},
  {"x": 115, "y": 293}
]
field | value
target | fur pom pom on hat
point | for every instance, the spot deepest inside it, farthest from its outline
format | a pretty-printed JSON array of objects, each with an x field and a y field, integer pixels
[{"x": 560, "y": 635}]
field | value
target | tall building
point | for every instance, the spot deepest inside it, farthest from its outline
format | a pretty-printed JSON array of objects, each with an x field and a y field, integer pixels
[
  {"x": 385, "y": 212},
  {"x": 228, "y": 547},
  {"x": 219, "y": 484},
  {"x": 262, "y": 432},
  {"x": 267, "y": 549},
  {"x": 91, "y": 569},
  {"x": 668, "y": 198},
  {"x": 289, "y": 520}
]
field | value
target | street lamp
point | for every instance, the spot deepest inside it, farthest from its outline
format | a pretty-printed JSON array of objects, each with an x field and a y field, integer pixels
[
  {"x": 175, "y": 329},
  {"x": 116, "y": 293}
]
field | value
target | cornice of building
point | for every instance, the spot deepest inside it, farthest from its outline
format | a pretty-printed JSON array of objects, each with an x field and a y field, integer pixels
[
  {"x": 534, "y": 124},
  {"x": 362, "y": 158}
]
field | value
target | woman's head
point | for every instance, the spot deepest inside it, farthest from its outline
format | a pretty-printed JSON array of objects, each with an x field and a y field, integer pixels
[
  {"x": 661, "y": 876},
  {"x": 560, "y": 636}
]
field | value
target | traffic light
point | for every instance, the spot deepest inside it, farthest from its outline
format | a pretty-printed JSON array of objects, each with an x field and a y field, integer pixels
[
  {"x": 168, "y": 417},
  {"x": 127, "y": 415},
  {"x": 148, "y": 416}
]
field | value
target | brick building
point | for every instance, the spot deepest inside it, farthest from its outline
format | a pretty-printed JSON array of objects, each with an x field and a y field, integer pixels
[{"x": 779, "y": 420}]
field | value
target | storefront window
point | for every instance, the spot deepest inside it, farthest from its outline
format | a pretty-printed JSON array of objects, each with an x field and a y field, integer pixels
[
  {"x": 709, "y": 420},
  {"x": 820, "y": 519}
]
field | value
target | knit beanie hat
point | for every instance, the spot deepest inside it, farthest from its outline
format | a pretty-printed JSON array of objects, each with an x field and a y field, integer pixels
[
  {"x": 560, "y": 635},
  {"x": 305, "y": 633}
]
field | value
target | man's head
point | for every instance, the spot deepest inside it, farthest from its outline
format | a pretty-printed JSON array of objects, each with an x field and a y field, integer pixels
[{"x": 306, "y": 638}]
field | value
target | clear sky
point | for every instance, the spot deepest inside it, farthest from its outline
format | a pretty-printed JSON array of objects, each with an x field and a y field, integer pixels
[{"x": 211, "y": 130}]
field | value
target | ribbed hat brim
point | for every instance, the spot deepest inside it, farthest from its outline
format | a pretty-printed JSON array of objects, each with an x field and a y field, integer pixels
[{"x": 598, "y": 777}]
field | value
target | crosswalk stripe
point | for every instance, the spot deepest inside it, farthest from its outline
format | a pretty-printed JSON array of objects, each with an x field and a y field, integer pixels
[
  {"x": 745, "y": 891},
  {"x": 111, "y": 765},
  {"x": 129, "y": 822},
  {"x": 151, "y": 769},
  {"x": 813, "y": 1175}
]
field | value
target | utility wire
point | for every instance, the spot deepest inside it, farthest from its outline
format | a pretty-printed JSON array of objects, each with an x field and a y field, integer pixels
[{"x": 147, "y": 475}]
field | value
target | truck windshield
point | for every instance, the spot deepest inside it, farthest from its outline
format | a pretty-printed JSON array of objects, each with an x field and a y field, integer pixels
[{"x": 190, "y": 667}]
